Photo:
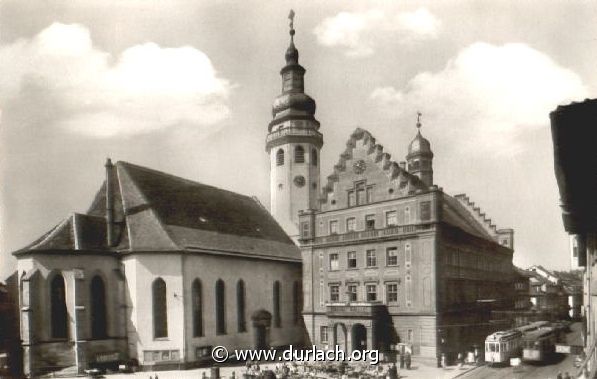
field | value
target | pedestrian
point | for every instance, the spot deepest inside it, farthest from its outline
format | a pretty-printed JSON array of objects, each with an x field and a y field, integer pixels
[
  {"x": 559, "y": 376},
  {"x": 203, "y": 375},
  {"x": 407, "y": 360},
  {"x": 566, "y": 375},
  {"x": 156, "y": 376}
]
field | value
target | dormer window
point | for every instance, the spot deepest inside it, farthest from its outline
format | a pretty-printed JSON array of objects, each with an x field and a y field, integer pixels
[{"x": 299, "y": 154}]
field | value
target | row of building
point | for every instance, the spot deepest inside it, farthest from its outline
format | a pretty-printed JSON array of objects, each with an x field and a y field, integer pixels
[{"x": 161, "y": 268}]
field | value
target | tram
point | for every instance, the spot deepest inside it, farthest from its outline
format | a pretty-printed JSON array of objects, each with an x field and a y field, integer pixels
[
  {"x": 503, "y": 345},
  {"x": 540, "y": 344}
]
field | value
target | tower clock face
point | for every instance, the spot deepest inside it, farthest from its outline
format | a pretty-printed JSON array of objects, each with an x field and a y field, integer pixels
[
  {"x": 359, "y": 166},
  {"x": 299, "y": 180}
]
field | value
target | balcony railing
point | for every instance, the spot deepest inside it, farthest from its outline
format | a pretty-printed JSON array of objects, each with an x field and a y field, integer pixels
[
  {"x": 373, "y": 233},
  {"x": 294, "y": 132}
]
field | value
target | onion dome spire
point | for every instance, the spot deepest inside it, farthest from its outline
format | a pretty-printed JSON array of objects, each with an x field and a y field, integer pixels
[{"x": 419, "y": 145}]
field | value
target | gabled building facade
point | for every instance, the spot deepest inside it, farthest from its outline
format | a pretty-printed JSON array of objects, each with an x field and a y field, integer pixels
[
  {"x": 390, "y": 258},
  {"x": 157, "y": 271}
]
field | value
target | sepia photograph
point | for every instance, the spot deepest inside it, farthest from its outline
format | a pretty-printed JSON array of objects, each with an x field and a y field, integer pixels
[{"x": 325, "y": 189}]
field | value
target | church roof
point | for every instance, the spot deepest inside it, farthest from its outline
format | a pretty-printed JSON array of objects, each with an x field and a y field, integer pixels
[{"x": 156, "y": 212}]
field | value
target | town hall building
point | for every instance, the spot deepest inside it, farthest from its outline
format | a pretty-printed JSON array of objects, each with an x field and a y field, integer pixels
[{"x": 388, "y": 257}]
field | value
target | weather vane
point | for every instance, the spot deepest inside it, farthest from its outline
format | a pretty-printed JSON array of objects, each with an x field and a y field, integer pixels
[{"x": 419, "y": 114}]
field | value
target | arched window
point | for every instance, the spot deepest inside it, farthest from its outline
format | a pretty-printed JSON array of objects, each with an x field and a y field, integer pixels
[
  {"x": 299, "y": 154},
  {"x": 197, "y": 302},
  {"x": 99, "y": 327},
  {"x": 280, "y": 157},
  {"x": 58, "y": 314},
  {"x": 240, "y": 306},
  {"x": 220, "y": 307},
  {"x": 296, "y": 301},
  {"x": 277, "y": 320},
  {"x": 160, "y": 309},
  {"x": 314, "y": 157}
]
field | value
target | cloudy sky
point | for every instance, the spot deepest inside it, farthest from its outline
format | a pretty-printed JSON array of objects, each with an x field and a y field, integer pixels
[{"x": 186, "y": 87}]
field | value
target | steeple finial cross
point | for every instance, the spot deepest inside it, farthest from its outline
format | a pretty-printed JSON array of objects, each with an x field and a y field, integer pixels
[{"x": 419, "y": 114}]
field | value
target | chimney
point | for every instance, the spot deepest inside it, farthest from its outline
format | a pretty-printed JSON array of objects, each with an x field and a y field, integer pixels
[
  {"x": 110, "y": 238},
  {"x": 402, "y": 165}
]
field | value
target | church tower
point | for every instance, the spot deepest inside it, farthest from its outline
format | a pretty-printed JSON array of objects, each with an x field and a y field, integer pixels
[
  {"x": 420, "y": 156},
  {"x": 293, "y": 144}
]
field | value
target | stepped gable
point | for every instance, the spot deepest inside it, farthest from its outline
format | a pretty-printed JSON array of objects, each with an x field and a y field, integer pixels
[
  {"x": 485, "y": 222},
  {"x": 405, "y": 180},
  {"x": 155, "y": 211}
]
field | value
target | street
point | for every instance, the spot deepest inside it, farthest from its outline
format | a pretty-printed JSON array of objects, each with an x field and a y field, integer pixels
[{"x": 562, "y": 364}]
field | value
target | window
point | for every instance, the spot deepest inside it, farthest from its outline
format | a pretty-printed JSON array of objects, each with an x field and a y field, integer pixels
[
  {"x": 351, "y": 199},
  {"x": 305, "y": 230},
  {"x": 351, "y": 224},
  {"x": 334, "y": 293},
  {"x": 197, "y": 304},
  {"x": 334, "y": 264},
  {"x": 392, "y": 293},
  {"x": 392, "y": 256},
  {"x": 98, "y": 308},
  {"x": 391, "y": 218},
  {"x": 334, "y": 227},
  {"x": 407, "y": 215},
  {"x": 352, "y": 292},
  {"x": 323, "y": 334},
  {"x": 425, "y": 210},
  {"x": 371, "y": 258},
  {"x": 276, "y": 296},
  {"x": 409, "y": 335},
  {"x": 59, "y": 316},
  {"x": 371, "y": 292},
  {"x": 314, "y": 157},
  {"x": 369, "y": 195},
  {"x": 360, "y": 188},
  {"x": 280, "y": 157},
  {"x": 240, "y": 306},
  {"x": 351, "y": 261},
  {"x": 296, "y": 301},
  {"x": 220, "y": 307},
  {"x": 160, "y": 310},
  {"x": 299, "y": 154},
  {"x": 370, "y": 222},
  {"x": 407, "y": 254}
]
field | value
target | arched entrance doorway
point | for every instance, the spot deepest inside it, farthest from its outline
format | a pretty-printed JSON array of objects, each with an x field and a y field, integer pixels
[
  {"x": 261, "y": 321},
  {"x": 359, "y": 337},
  {"x": 340, "y": 336}
]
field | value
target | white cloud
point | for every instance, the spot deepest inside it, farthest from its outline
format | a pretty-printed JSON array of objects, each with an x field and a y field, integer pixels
[
  {"x": 490, "y": 94},
  {"x": 357, "y": 32},
  {"x": 144, "y": 89}
]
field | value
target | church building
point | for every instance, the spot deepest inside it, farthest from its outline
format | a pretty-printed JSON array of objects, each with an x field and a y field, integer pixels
[
  {"x": 388, "y": 257},
  {"x": 157, "y": 271}
]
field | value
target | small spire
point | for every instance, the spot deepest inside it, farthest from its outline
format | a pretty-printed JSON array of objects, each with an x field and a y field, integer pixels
[{"x": 419, "y": 114}]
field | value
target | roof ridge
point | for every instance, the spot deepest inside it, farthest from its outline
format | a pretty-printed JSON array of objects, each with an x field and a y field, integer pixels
[{"x": 176, "y": 177}]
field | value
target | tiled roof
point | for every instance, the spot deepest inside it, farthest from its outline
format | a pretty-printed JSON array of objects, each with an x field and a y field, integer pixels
[{"x": 155, "y": 211}]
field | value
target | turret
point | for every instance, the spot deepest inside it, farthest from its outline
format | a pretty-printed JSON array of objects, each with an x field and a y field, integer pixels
[
  {"x": 420, "y": 156},
  {"x": 293, "y": 143}
]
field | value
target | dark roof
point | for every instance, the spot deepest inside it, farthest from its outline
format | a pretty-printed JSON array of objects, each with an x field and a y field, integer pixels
[
  {"x": 155, "y": 211},
  {"x": 574, "y": 132}
]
